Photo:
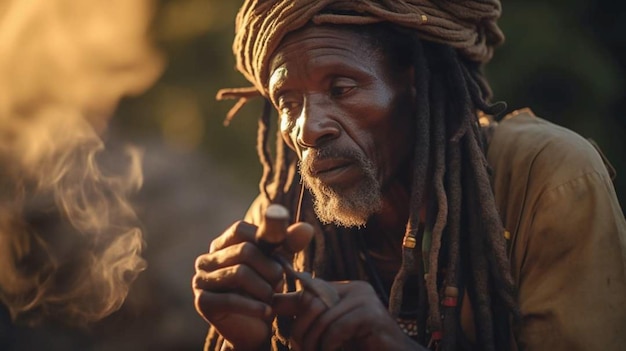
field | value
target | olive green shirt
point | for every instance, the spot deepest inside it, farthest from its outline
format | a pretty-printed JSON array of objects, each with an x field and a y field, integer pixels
[{"x": 568, "y": 236}]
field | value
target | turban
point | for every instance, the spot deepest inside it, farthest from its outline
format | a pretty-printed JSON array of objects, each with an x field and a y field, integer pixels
[{"x": 466, "y": 25}]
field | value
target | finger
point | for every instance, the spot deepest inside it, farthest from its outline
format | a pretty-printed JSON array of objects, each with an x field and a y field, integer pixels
[
  {"x": 287, "y": 304},
  {"x": 343, "y": 323},
  {"x": 305, "y": 306},
  {"x": 238, "y": 232},
  {"x": 216, "y": 306},
  {"x": 299, "y": 236},
  {"x": 345, "y": 328},
  {"x": 243, "y": 253},
  {"x": 359, "y": 316},
  {"x": 239, "y": 278},
  {"x": 293, "y": 304}
]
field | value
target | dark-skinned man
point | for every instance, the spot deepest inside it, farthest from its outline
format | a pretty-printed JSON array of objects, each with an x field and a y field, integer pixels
[{"x": 435, "y": 226}]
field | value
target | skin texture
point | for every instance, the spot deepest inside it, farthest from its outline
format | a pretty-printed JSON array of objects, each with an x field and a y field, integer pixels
[
  {"x": 234, "y": 284},
  {"x": 348, "y": 117},
  {"x": 342, "y": 107}
]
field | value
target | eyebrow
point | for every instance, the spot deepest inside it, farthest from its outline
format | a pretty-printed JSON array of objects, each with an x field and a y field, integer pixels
[{"x": 329, "y": 69}]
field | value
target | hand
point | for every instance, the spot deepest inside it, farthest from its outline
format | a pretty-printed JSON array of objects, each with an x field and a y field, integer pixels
[
  {"x": 358, "y": 321},
  {"x": 233, "y": 287},
  {"x": 235, "y": 282}
]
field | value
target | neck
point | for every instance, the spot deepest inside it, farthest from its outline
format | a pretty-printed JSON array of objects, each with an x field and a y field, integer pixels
[
  {"x": 395, "y": 210},
  {"x": 384, "y": 233},
  {"x": 393, "y": 217}
]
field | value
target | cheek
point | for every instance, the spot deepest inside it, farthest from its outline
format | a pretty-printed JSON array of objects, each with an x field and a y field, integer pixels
[
  {"x": 288, "y": 135},
  {"x": 391, "y": 135}
]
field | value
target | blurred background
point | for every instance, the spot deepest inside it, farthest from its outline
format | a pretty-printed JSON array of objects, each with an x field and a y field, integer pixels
[{"x": 564, "y": 59}]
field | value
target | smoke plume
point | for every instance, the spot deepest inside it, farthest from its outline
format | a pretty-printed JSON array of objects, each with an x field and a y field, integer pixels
[{"x": 70, "y": 242}]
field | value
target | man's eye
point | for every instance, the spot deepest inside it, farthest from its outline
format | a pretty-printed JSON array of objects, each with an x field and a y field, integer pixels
[
  {"x": 288, "y": 107},
  {"x": 341, "y": 87},
  {"x": 288, "y": 110}
]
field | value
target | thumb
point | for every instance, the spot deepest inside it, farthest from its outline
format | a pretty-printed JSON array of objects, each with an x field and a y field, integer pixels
[{"x": 299, "y": 236}]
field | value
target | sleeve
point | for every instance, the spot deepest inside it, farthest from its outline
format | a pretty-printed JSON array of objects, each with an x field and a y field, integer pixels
[{"x": 571, "y": 261}]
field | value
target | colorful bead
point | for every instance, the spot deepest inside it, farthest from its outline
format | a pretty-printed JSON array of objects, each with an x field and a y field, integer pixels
[
  {"x": 409, "y": 242},
  {"x": 507, "y": 235},
  {"x": 408, "y": 326}
]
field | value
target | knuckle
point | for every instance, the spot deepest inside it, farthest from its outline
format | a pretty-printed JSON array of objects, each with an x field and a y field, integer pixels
[
  {"x": 220, "y": 241},
  {"x": 212, "y": 246},
  {"x": 243, "y": 229},
  {"x": 246, "y": 249},
  {"x": 194, "y": 283},
  {"x": 199, "y": 262},
  {"x": 363, "y": 287},
  {"x": 216, "y": 243},
  {"x": 237, "y": 226},
  {"x": 200, "y": 283},
  {"x": 206, "y": 263},
  {"x": 239, "y": 272},
  {"x": 201, "y": 304}
]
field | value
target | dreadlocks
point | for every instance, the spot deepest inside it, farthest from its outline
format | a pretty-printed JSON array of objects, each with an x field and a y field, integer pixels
[{"x": 464, "y": 249}]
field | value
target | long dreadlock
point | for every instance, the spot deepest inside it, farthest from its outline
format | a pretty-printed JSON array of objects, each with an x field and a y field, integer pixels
[{"x": 466, "y": 239}]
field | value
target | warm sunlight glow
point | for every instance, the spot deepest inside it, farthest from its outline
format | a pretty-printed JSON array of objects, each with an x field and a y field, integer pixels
[{"x": 69, "y": 239}]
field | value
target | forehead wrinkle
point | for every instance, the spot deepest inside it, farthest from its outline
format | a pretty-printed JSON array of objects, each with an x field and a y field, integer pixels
[
  {"x": 315, "y": 61},
  {"x": 310, "y": 41},
  {"x": 321, "y": 37}
]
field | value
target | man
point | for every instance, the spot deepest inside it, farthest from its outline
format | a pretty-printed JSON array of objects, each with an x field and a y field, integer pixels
[{"x": 432, "y": 230}]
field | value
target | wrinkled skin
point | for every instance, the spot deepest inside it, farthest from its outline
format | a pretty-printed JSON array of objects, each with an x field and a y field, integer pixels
[
  {"x": 358, "y": 321},
  {"x": 336, "y": 97},
  {"x": 237, "y": 289},
  {"x": 234, "y": 285},
  {"x": 347, "y": 114}
]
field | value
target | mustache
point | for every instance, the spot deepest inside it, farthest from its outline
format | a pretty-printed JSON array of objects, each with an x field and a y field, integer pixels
[{"x": 330, "y": 152}]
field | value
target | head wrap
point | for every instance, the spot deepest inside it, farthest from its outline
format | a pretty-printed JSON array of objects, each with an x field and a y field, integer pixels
[{"x": 467, "y": 25}]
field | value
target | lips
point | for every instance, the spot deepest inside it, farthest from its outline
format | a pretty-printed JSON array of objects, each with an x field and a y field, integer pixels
[
  {"x": 325, "y": 166},
  {"x": 333, "y": 170}
]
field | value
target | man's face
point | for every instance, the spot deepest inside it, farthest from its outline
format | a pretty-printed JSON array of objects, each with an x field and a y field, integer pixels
[{"x": 347, "y": 113}]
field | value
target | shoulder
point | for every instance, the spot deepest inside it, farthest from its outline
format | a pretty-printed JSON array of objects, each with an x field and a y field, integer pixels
[
  {"x": 530, "y": 157},
  {"x": 551, "y": 153},
  {"x": 568, "y": 234}
]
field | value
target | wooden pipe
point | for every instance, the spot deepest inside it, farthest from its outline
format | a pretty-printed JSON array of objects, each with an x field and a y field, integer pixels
[{"x": 272, "y": 232}]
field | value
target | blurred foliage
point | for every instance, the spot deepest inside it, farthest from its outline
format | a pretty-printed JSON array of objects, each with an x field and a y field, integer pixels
[
  {"x": 567, "y": 61},
  {"x": 181, "y": 109},
  {"x": 564, "y": 59}
]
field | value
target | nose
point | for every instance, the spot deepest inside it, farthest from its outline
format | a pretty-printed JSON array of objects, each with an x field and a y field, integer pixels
[{"x": 317, "y": 124}]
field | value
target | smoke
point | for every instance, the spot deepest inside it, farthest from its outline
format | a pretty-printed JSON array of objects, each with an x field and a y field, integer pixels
[{"x": 70, "y": 242}]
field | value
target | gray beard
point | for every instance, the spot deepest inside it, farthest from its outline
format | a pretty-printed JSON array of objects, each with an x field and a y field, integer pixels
[{"x": 346, "y": 206}]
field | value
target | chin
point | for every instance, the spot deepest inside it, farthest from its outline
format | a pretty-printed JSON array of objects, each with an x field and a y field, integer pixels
[{"x": 347, "y": 209}]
